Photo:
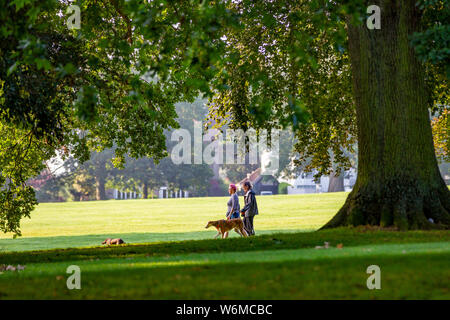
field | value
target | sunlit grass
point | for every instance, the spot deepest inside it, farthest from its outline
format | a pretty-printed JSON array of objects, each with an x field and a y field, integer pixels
[{"x": 75, "y": 224}]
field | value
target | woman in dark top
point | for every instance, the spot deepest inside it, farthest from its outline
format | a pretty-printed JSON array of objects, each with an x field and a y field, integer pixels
[{"x": 250, "y": 209}]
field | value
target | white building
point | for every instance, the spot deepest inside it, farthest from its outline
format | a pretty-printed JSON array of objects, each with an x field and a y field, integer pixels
[
  {"x": 305, "y": 183},
  {"x": 122, "y": 195},
  {"x": 164, "y": 192}
]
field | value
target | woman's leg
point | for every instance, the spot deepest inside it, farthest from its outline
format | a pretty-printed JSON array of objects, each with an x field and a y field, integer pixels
[
  {"x": 246, "y": 225},
  {"x": 252, "y": 230}
]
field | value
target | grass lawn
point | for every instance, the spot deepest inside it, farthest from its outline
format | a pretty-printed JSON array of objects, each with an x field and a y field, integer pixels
[
  {"x": 171, "y": 255},
  {"x": 76, "y": 224}
]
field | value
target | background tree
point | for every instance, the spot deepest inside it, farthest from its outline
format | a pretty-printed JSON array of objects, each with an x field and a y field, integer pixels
[
  {"x": 139, "y": 175},
  {"x": 51, "y": 187},
  {"x": 145, "y": 174},
  {"x": 98, "y": 167},
  {"x": 83, "y": 187},
  {"x": 301, "y": 79},
  {"x": 440, "y": 126}
]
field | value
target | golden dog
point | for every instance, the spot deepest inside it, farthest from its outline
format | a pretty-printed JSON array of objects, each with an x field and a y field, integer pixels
[
  {"x": 110, "y": 241},
  {"x": 223, "y": 226}
]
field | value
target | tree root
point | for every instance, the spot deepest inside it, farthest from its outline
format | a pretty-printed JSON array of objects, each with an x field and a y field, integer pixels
[{"x": 403, "y": 207}]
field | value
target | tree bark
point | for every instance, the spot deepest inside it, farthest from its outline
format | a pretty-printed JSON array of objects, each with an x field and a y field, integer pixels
[
  {"x": 398, "y": 181},
  {"x": 145, "y": 190},
  {"x": 336, "y": 182},
  {"x": 100, "y": 192}
]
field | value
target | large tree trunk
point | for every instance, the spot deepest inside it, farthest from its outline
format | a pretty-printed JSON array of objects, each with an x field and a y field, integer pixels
[
  {"x": 398, "y": 182},
  {"x": 336, "y": 183},
  {"x": 100, "y": 192}
]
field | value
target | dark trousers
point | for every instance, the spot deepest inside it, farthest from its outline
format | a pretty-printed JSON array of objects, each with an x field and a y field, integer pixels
[{"x": 248, "y": 225}]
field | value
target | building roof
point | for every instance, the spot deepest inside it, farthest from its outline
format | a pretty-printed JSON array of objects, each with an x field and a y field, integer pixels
[{"x": 253, "y": 177}]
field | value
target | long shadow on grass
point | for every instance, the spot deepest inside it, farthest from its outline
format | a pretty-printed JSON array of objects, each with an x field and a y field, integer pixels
[
  {"x": 420, "y": 276},
  {"x": 344, "y": 237},
  {"x": 63, "y": 242}
]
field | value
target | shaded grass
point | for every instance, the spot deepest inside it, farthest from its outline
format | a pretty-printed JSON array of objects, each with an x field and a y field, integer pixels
[
  {"x": 47, "y": 243},
  {"x": 257, "y": 256},
  {"x": 414, "y": 265},
  {"x": 348, "y": 237},
  {"x": 408, "y": 271}
]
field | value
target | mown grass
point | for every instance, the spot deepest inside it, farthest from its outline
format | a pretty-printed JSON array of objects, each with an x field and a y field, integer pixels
[
  {"x": 169, "y": 255},
  {"x": 347, "y": 237},
  {"x": 414, "y": 265},
  {"x": 78, "y": 224},
  {"x": 326, "y": 278}
]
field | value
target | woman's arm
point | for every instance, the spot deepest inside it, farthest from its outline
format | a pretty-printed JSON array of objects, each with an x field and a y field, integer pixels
[
  {"x": 247, "y": 204},
  {"x": 229, "y": 208}
]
